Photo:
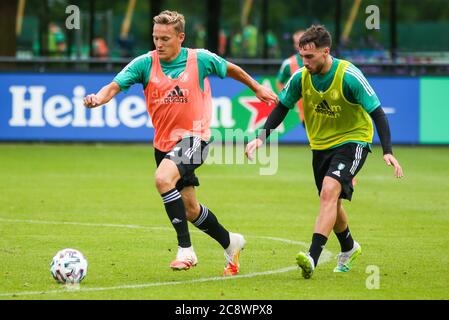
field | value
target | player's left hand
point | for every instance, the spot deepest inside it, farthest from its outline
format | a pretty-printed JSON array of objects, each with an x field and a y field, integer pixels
[
  {"x": 251, "y": 147},
  {"x": 266, "y": 95},
  {"x": 390, "y": 160}
]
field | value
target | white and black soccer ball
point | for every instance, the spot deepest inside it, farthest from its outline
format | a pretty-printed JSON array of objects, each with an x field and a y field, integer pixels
[{"x": 69, "y": 266}]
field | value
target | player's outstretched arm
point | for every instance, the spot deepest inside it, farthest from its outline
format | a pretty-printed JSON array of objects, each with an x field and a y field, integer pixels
[
  {"x": 103, "y": 96},
  {"x": 264, "y": 94}
]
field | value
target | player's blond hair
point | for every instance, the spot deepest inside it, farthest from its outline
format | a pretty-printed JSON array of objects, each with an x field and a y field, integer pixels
[{"x": 171, "y": 18}]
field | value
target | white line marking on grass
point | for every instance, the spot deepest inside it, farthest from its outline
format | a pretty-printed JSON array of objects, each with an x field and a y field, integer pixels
[
  {"x": 153, "y": 284},
  {"x": 86, "y": 224},
  {"x": 325, "y": 257}
]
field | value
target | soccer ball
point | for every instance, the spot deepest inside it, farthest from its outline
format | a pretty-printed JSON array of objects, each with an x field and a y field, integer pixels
[{"x": 68, "y": 266}]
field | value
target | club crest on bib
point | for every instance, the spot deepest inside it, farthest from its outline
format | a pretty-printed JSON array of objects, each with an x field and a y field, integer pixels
[{"x": 335, "y": 95}]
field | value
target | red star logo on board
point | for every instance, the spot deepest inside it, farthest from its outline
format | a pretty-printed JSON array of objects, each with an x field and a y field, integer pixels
[{"x": 259, "y": 110}]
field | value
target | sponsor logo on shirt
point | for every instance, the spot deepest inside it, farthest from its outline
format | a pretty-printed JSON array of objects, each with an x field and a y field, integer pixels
[
  {"x": 177, "y": 95},
  {"x": 324, "y": 109}
]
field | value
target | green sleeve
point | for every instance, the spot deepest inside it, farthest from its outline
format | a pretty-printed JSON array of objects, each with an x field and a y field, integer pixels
[
  {"x": 284, "y": 72},
  {"x": 210, "y": 63},
  {"x": 357, "y": 89},
  {"x": 137, "y": 71},
  {"x": 292, "y": 91}
]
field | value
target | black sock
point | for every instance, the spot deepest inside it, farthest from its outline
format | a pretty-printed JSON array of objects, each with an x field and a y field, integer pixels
[
  {"x": 208, "y": 223},
  {"x": 177, "y": 214},
  {"x": 346, "y": 241},
  {"x": 318, "y": 243}
]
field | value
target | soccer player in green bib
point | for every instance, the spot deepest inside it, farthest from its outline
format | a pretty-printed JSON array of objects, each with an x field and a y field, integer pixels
[{"x": 339, "y": 104}]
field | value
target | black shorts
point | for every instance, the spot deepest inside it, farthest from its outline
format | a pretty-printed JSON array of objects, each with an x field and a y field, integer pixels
[
  {"x": 188, "y": 154},
  {"x": 341, "y": 163}
]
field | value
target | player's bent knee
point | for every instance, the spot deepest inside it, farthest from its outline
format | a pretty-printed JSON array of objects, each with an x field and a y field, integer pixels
[
  {"x": 329, "y": 193},
  {"x": 327, "y": 197},
  {"x": 163, "y": 182}
]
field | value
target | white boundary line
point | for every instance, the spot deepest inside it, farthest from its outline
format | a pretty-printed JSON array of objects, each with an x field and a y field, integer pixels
[{"x": 325, "y": 257}]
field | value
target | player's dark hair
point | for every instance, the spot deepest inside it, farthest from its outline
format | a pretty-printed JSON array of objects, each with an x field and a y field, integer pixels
[{"x": 318, "y": 35}]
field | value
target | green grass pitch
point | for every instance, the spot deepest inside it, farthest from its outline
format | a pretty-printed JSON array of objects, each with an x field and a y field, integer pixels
[{"x": 101, "y": 200}]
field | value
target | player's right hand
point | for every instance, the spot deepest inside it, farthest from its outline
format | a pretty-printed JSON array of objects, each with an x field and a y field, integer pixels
[
  {"x": 266, "y": 95},
  {"x": 390, "y": 160},
  {"x": 91, "y": 101},
  {"x": 251, "y": 147}
]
